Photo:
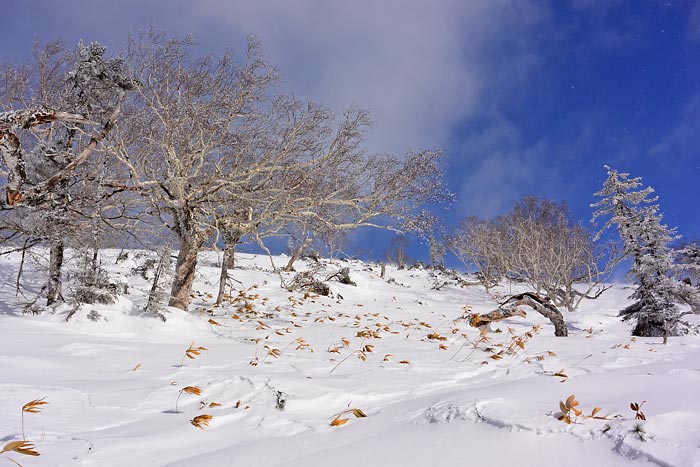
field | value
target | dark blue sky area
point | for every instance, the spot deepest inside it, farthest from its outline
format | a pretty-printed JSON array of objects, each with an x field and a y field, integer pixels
[
  {"x": 617, "y": 85},
  {"x": 525, "y": 97}
]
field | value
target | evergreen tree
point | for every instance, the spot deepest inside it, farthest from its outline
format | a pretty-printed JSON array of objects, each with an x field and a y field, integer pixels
[
  {"x": 646, "y": 242},
  {"x": 688, "y": 262}
]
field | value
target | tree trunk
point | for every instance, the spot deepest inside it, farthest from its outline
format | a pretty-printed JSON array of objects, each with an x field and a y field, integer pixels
[
  {"x": 295, "y": 256},
  {"x": 544, "y": 307},
  {"x": 184, "y": 273},
  {"x": 55, "y": 264},
  {"x": 226, "y": 264}
]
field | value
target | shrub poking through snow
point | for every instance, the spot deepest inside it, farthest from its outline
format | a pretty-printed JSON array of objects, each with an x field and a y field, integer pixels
[
  {"x": 34, "y": 406},
  {"x": 569, "y": 411},
  {"x": 301, "y": 344},
  {"x": 361, "y": 354},
  {"x": 639, "y": 432},
  {"x": 637, "y": 408},
  {"x": 192, "y": 352},
  {"x": 337, "y": 421},
  {"x": 194, "y": 390}
]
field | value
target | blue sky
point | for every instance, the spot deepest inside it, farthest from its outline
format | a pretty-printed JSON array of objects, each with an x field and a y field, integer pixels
[{"x": 525, "y": 97}]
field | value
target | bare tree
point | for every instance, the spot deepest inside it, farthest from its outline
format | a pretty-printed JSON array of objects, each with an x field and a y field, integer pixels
[
  {"x": 482, "y": 244},
  {"x": 437, "y": 249},
  {"x": 231, "y": 228},
  {"x": 397, "y": 252},
  {"x": 540, "y": 244},
  {"x": 205, "y": 138}
]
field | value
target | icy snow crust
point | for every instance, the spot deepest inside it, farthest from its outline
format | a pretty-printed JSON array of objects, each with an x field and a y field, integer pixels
[{"x": 442, "y": 406}]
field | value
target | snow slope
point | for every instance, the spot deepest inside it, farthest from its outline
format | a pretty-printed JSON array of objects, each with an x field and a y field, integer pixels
[{"x": 430, "y": 395}]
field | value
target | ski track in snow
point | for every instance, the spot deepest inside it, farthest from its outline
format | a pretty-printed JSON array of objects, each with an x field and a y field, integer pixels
[{"x": 453, "y": 406}]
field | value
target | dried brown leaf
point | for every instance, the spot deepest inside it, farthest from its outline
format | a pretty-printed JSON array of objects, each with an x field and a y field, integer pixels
[
  {"x": 20, "y": 447},
  {"x": 339, "y": 421},
  {"x": 192, "y": 390},
  {"x": 201, "y": 421},
  {"x": 34, "y": 406}
]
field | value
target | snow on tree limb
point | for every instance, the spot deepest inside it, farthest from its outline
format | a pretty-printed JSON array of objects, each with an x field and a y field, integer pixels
[
  {"x": 27, "y": 118},
  {"x": 646, "y": 240}
]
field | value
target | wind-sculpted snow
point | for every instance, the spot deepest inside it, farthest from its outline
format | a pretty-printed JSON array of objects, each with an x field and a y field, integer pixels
[{"x": 279, "y": 367}]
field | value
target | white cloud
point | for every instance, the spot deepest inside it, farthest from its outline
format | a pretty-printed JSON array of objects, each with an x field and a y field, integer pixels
[
  {"x": 419, "y": 66},
  {"x": 683, "y": 140},
  {"x": 694, "y": 22},
  {"x": 505, "y": 170}
]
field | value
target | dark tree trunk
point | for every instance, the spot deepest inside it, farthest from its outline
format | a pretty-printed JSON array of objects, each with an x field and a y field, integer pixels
[
  {"x": 55, "y": 264},
  {"x": 184, "y": 272},
  {"x": 544, "y": 306}
]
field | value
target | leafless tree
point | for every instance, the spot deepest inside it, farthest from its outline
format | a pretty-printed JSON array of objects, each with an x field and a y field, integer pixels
[
  {"x": 540, "y": 244},
  {"x": 437, "y": 249},
  {"x": 397, "y": 251},
  {"x": 482, "y": 244},
  {"x": 205, "y": 137}
]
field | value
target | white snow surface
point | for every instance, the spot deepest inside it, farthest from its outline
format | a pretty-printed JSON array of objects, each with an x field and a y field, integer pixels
[{"x": 425, "y": 405}]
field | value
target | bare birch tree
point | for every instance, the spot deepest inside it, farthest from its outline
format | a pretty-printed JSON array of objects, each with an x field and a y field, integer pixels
[
  {"x": 540, "y": 244},
  {"x": 206, "y": 137}
]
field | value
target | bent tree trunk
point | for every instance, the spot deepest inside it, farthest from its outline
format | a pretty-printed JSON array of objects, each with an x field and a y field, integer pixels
[
  {"x": 226, "y": 264},
  {"x": 295, "y": 256},
  {"x": 55, "y": 265},
  {"x": 544, "y": 307},
  {"x": 184, "y": 272}
]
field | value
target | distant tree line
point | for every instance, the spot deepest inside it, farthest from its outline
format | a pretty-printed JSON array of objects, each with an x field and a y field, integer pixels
[
  {"x": 156, "y": 145},
  {"x": 540, "y": 244}
]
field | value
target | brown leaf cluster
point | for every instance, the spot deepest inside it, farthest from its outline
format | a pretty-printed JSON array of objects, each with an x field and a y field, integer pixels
[{"x": 20, "y": 447}]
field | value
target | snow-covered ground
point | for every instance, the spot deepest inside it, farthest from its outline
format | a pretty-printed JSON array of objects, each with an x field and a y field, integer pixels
[{"x": 282, "y": 365}]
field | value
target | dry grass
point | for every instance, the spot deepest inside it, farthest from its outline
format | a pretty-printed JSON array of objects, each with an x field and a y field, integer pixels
[
  {"x": 34, "y": 406},
  {"x": 25, "y": 448},
  {"x": 191, "y": 352},
  {"x": 337, "y": 421},
  {"x": 194, "y": 390},
  {"x": 361, "y": 354}
]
